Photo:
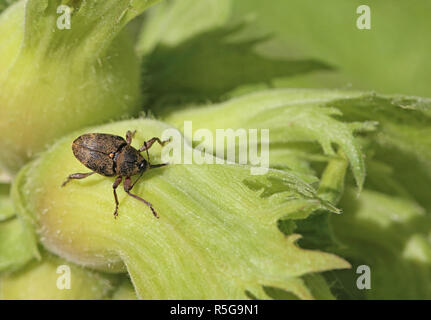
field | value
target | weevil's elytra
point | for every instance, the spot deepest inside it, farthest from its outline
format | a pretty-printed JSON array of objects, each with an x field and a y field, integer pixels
[
  {"x": 93, "y": 151},
  {"x": 109, "y": 156}
]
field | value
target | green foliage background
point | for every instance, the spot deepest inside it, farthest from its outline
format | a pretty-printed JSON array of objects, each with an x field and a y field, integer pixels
[{"x": 392, "y": 57}]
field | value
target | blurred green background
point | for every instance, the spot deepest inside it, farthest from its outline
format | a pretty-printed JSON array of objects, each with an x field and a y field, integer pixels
[{"x": 393, "y": 57}]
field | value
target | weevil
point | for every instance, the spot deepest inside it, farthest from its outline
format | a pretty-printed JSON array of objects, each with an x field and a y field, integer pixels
[{"x": 113, "y": 156}]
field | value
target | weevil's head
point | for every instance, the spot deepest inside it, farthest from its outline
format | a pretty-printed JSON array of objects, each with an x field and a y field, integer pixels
[{"x": 143, "y": 165}]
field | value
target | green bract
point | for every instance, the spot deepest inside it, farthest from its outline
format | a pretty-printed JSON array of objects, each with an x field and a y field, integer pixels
[
  {"x": 17, "y": 245},
  {"x": 54, "y": 81},
  {"x": 396, "y": 153},
  {"x": 292, "y": 116},
  {"x": 17, "y": 242},
  {"x": 213, "y": 240}
]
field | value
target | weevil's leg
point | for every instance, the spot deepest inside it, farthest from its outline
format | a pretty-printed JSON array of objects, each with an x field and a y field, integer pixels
[
  {"x": 129, "y": 136},
  {"x": 148, "y": 155},
  {"x": 76, "y": 176},
  {"x": 114, "y": 187},
  {"x": 147, "y": 145},
  {"x": 128, "y": 186}
]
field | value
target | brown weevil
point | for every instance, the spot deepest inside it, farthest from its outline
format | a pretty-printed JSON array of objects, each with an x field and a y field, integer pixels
[{"x": 113, "y": 156}]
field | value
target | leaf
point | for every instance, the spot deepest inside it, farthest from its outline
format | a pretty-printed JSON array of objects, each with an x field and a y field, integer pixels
[
  {"x": 399, "y": 152},
  {"x": 210, "y": 65},
  {"x": 316, "y": 229},
  {"x": 213, "y": 240},
  {"x": 174, "y": 21}
]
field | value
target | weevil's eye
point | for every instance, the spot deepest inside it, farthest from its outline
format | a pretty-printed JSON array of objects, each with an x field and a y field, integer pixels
[{"x": 143, "y": 165}]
